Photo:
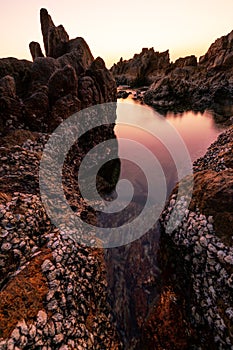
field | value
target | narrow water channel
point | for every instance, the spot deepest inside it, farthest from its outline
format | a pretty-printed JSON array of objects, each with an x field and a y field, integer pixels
[{"x": 133, "y": 271}]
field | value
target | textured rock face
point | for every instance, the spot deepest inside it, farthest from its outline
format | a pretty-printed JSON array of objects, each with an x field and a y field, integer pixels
[
  {"x": 143, "y": 66},
  {"x": 62, "y": 82},
  {"x": 197, "y": 261},
  {"x": 207, "y": 84},
  {"x": 51, "y": 88},
  {"x": 189, "y": 61},
  {"x": 186, "y": 83},
  {"x": 219, "y": 53},
  {"x": 35, "y": 50},
  {"x": 54, "y": 287}
]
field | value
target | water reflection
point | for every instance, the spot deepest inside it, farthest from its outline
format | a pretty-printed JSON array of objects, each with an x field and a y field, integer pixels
[{"x": 197, "y": 130}]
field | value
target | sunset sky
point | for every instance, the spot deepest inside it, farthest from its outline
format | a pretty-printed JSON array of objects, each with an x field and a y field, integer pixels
[{"x": 119, "y": 28}]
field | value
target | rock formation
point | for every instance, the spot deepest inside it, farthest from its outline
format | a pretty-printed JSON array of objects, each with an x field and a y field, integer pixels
[
  {"x": 142, "y": 68},
  {"x": 197, "y": 261},
  {"x": 53, "y": 289},
  {"x": 35, "y": 50},
  {"x": 186, "y": 83},
  {"x": 56, "y": 84}
]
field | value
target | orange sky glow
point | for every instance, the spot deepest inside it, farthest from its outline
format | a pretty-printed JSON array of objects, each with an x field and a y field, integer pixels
[{"x": 119, "y": 28}]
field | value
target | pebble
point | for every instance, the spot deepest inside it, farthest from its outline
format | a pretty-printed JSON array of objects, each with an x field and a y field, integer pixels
[{"x": 41, "y": 319}]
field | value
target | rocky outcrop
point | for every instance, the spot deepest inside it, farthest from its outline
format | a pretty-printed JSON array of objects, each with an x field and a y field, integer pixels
[
  {"x": 59, "y": 285},
  {"x": 52, "y": 88},
  {"x": 53, "y": 288},
  {"x": 55, "y": 38},
  {"x": 189, "y": 61},
  {"x": 186, "y": 83},
  {"x": 220, "y": 53},
  {"x": 197, "y": 261},
  {"x": 142, "y": 68}
]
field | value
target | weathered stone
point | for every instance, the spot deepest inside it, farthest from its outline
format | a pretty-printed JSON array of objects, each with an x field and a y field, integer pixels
[
  {"x": 8, "y": 87},
  {"x": 41, "y": 319},
  {"x": 46, "y": 23},
  {"x": 63, "y": 82},
  {"x": 36, "y": 111},
  {"x": 57, "y": 39},
  {"x": 47, "y": 266},
  {"x": 42, "y": 69},
  {"x": 35, "y": 50}
]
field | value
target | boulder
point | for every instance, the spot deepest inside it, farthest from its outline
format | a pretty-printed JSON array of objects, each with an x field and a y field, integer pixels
[
  {"x": 20, "y": 70},
  {"x": 42, "y": 69},
  {"x": 78, "y": 55},
  {"x": 212, "y": 194},
  {"x": 11, "y": 113},
  {"x": 63, "y": 109},
  {"x": 36, "y": 111},
  {"x": 7, "y": 86},
  {"x": 88, "y": 92}
]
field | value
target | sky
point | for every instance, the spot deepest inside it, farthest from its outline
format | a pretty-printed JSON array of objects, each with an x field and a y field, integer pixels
[{"x": 119, "y": 28}]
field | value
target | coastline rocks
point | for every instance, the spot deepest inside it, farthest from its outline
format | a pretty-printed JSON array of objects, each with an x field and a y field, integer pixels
[
  {"x": 36, "y": 109},
  {"x": 103, "y": 80},
  {"x": 39, "y": 95},
  {"x": 59, "y": 284},
  {"x": 196, "y": 258},
  {"x": 188, "y": 61},
  {"x": 219, "y": 52},
  {"x": 185, "y": 84},
  {"x": 142, "y": 68},
  {"x": 42, "y": 69}
]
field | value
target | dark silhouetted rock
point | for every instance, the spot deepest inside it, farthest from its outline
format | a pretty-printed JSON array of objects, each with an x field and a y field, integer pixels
[
  {"x": 7, "y": 86},
  {"x": 57, "y": 39},
  {"x": 54, "y": 37},
  {"x": 103, "y": 79},
  {"x": 186, "y": 61},
  {"x": 88, "y": 93},
  {"x": 78, "y": 55},
  {"x": 62, "y": 82},
  {"x": 142, "y": 68},
  {"x": 40, "y": 94},
  {"x": 42, "y": 69},
  {"x": 35, "y": 50},
  {"x": 20, "y": 70},
  {"x": 46, "y": 24},
  {"x": 36, "y": 111},
  {"x": 62, "y": 109}
]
